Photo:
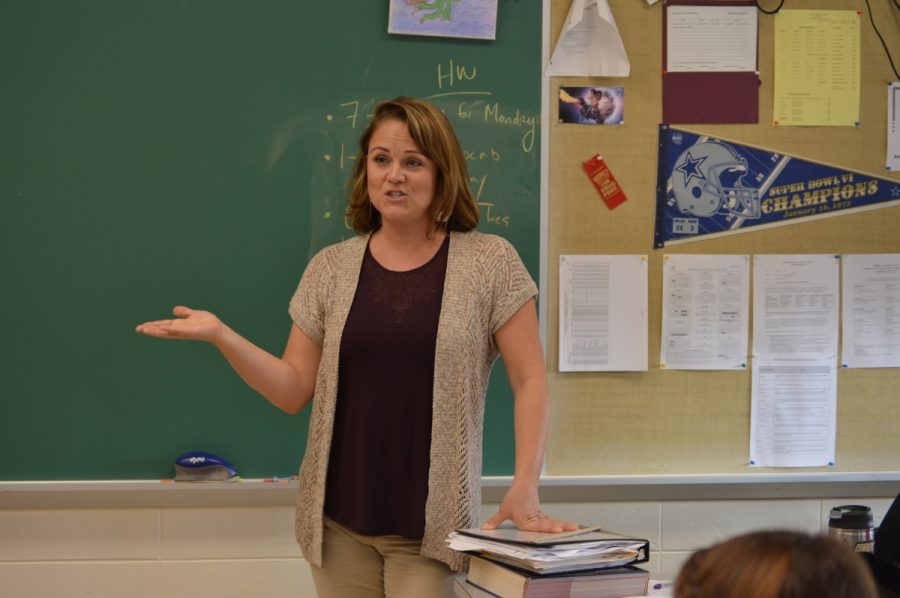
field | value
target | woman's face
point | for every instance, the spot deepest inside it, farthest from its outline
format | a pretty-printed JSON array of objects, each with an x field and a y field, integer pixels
[{"x": 400, "y": 180}]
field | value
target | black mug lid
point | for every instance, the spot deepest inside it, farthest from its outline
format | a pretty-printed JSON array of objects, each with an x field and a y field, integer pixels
[{"x": 851, "y": 517}]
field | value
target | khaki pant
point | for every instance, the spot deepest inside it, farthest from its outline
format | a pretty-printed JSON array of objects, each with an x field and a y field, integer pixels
[{"x": 355, "y": 566}]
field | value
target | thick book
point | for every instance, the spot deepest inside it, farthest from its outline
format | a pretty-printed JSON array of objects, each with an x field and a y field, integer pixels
[
  {"x": 463, "y": 588},
  {"x": 510, "y": 582}
]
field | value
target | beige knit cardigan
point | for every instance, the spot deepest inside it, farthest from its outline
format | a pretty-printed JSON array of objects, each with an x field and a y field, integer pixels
[{"x": 486, "y": 283}]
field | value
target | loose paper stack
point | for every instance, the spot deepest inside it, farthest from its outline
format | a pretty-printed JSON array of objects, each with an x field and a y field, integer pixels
[{"x": 587, "y": 548}]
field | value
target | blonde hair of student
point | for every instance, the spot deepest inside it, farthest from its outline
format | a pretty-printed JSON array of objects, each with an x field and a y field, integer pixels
[
  {"x": 776, "y": 564},
  {"x": 453, "y": 205}
]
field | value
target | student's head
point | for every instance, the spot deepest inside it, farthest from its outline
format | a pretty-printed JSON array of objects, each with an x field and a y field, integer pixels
[
  {"x": 776, "y": 564},
  {"x": 452, "y": 205}
]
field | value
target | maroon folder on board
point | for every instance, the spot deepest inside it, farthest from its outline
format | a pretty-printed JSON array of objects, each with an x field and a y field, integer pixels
[{"x": 708, "y": 97}]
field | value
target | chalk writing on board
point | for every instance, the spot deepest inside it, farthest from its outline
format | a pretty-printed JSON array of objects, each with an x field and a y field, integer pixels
[
  {"x": 463, "y": 73},
  {"x": 451, "y": 75},
  {"x": 498, "y": 140}
]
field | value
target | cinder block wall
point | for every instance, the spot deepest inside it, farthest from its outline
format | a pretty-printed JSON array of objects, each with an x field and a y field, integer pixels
[{"x": 250, "y": 551}]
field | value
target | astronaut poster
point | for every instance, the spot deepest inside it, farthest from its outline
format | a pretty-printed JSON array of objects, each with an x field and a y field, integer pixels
[{"x": 708, "y": 187}]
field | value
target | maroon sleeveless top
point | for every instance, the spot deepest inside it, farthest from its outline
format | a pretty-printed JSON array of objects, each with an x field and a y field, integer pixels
[{"x": 378, "y": 467}]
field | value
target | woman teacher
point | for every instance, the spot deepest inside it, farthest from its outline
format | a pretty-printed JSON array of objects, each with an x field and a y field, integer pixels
[{"x": 394, "y": 335}]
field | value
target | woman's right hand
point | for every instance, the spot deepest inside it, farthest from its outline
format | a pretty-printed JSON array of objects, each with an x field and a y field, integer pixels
[
  {"x": 288, "y": 382},
  {"x": 188, "y": 324}
]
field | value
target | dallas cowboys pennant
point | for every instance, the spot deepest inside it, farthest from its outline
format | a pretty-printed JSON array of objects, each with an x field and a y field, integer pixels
[{"x": 706, "y": 186}]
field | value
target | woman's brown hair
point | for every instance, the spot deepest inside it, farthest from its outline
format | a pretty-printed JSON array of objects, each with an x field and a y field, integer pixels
[
  {"x": 453, "y": 205},
  {"x": 776, "y": 564}
]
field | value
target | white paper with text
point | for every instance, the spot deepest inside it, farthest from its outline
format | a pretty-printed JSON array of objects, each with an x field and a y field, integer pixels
[
  {"x": 795, "y": 337},
  {"x": 589, "y": 44},
  {"x": 705, "y": 312},
  {"x": 602, "y": 313},
  {"x": 870, "y": 336}
]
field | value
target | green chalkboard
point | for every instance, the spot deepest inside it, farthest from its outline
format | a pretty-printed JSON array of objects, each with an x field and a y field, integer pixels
[{"x": 195, "y": 152}]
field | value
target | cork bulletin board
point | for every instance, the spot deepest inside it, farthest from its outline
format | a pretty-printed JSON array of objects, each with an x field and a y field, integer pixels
[{"x": 695, "y": 422}]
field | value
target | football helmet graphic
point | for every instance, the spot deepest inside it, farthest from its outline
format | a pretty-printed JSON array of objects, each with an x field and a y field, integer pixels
[{"x": 707, "y": 180}]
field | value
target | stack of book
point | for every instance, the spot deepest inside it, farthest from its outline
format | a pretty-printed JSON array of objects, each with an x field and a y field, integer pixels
[{"x": 510, "y": 563}]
